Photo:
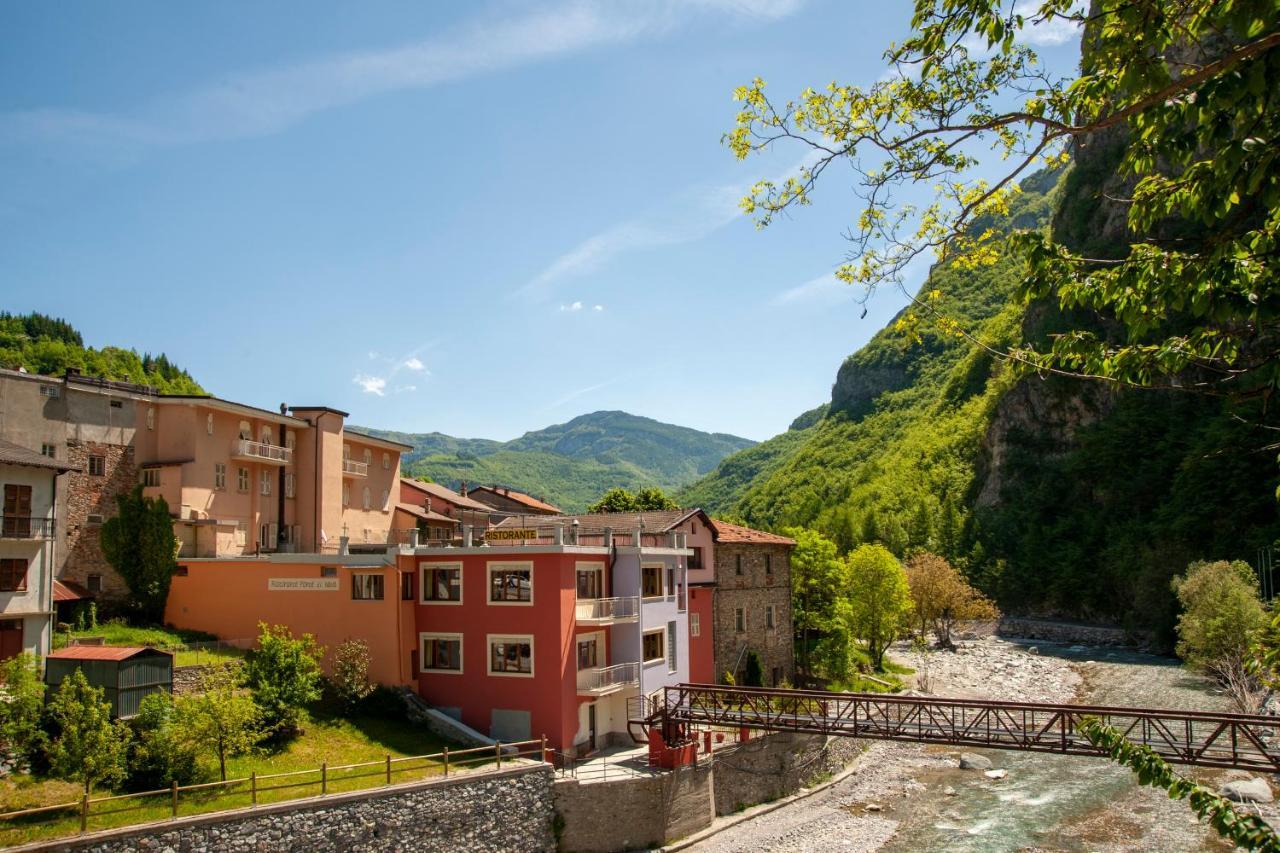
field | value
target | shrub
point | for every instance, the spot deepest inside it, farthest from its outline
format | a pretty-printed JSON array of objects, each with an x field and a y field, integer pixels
[
  {"x": 351, "y": 673},
  {"x": 754, "y": 674},
  {"x": 1221, "y": 613},
  {"x": 163, "y": 748},
  {"x": 22, "y": 705},
  {"x": 283, "y": 674}
]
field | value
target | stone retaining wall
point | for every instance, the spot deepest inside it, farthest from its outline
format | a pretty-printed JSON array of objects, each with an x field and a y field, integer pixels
[
  {"x": 775, "y": 766},
  {"x": 637, "y": 813},
  {"x": 1074, "y": 633},
  {"x": 186, "y": 678},
  {"x": 507, "y": 810}
]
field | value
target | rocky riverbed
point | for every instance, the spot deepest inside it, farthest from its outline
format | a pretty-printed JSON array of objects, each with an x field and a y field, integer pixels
[{"x": 905, "y": 797}]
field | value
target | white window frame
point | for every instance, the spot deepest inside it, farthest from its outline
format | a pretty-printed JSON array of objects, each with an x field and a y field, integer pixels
[
  {"x": 151, "y": 418},
  {"x": 101, "y": 466},
  {"x": 500, "y": 565},
  {"x": 219, "y": 476},
  {"x": 662, "y": 580},
  {"x": 290, "y": 485},
  {"x": 245, "y": 431},
  {"x": 355, "y": 575},
  {"x": 583, "y": 566},
  {"x": 208, "y": 423},
  {"x": 695, "y": 624},
  {"x": 150, "y": 478},
  {"x": 490, "y": 639},
  {"x": 264, "y": 482},
  {"x": 368, "y": 458},
  {"x": 423, "y": 636},
  {"x": 385, "y": 495},
  {"x": 427, "y": 566},
  {"x": 365, "y": 499},
  {"x": 673, "y": 646},
  {"x": 290, "y": 439},
  {"x": 264, "y": 435},
  {"x": 346, "y": 495},
  {"x": 244, "y": 483},
  {"x": 662, "y": 635},
  {"x": 50, "y": 450},
  {"x": 50, "y": 391},
  {"x": 386, "y": 461}
]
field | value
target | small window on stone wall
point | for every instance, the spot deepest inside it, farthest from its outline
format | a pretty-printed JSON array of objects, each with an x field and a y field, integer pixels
[
  {"x": 97, "y": 466},
  {"x": 93, "y": 583},
  {"x": 94, "y": 518}
]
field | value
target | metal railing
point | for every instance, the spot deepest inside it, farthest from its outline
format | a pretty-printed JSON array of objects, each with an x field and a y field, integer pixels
[
  {"x": 354, "y": 468},
  {"x": 603, "y": 679},
  {"x": 167, "y": 803},
  {"x": 607, "y": 609},
  {"x": 246, "y": 448},
  {"x": 25, "y": 527},
  {"x": 1182, "y": 737},
  {"x": 534, "y": 533}
]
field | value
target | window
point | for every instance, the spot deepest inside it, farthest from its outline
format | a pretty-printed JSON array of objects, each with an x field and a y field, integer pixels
[
  {"x": 264, "y": 435},
  {"x": 365, "y": 497},
  {"x": 97, "y": 466},
  {"x": 246, "y": 431},
  {"x": 151, "y": 418},
  {"x": 588, "y": 653},
  {"x": 208, "y": 423},
  {"x": 695, "y": 624},
  {"x": 289, "y": 486},
  {"x": 179, "y": 571},
  {"x": 13, "y": 575},
  {"x": 768, "y": 564},
  {"x": 17, "y": 510},
  {"x": 346, "y": 495},
  {"x": 290, "y": 440},
  {"x": 738, "y": 564},
  {"x": 386, "y": 462},
  {"x": 511, "y": 583},
  {"x": 695, "y": 559},
  {"x": 768, "y": 616},
  {"x": 652, "y": 646},
  {"x": 441, "y": 653},
  {"x": 590, "y": 581},
  {"x": 366, "y": 587},
  {"x": 328, "y": 571},
  {"x": 50, "y": 391},
  {"x": 651, "y": 581},
  {"x": 93, "y": 583},
  {"x": 346, "y": 452},
  {"x": 406, "y": 586},
  {"x": 49, "y": 450},
  {"x": 739, "y": 619},
  {"x": 671, "y": 646},
  {"x": 442, "y": 582},
  {"x": 219, "y": 476},
  {"x": 117, "y": 404},
  {"x": 511, "y": 655},
  {"x": 671, "y": 581},
  {"x": 94, "y": 518},
  {"x": 264, "y": 482},
  {"x": 385, "y": 495},
  {"x": 368, "y": 457},
  {"x": 151, "y": 477},
  {"x": 242, "y": 479}
]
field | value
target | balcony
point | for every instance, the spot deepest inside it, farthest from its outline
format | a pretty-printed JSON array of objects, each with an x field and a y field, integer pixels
[
  {"x": 352, "y": 468},
  {"x": 25, "y": 527},
  {"x": 257, "y": 451},
  {"x": 602, "y": 680},
  {"x": 607, "y": 611}
]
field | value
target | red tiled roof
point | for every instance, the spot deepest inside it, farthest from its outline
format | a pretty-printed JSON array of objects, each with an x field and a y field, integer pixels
[
  {"x": 103, "y": 652},
  {"x": 436, "y": 490},
  {"x": 726, "y": 532},
  {"x": 425, "y": 514},
  {"x": 655, "y": 521},
  {"x": 69, "y": 591},
  {"x": 15, "y": 454},
  {"x": 518, "y": 497}
]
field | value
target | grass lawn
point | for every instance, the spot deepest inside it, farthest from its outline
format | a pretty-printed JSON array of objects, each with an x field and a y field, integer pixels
[
  {"x": 190, "y": 647},
  {"x": 326, "y": 738}
]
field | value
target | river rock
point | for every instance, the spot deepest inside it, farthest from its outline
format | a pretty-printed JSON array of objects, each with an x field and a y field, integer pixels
[
  {"x": 996, "y": 774},
  {"x": 949, "y": 791},
  {"x": 1248, "y": 791},
  {"x": 973, "y": 761}
]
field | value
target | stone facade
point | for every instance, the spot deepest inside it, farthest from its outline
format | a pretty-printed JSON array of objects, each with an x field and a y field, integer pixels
[
  {"x": 642, "y": 812},
  {"x": 508, "y": 810},
  {"x": 90, "y": 500},
  {"x": 774, "y": 766},
  {"x": 751, "y": 578}
]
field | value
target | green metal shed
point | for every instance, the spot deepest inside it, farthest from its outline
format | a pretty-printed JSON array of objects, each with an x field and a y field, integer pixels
[{"x": 127, "y": 673}]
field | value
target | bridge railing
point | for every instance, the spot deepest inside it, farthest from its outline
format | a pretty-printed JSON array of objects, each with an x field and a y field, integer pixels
[{"x": 1186, "y": 737}]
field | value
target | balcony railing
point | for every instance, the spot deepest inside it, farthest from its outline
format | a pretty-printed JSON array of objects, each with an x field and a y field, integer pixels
[
  {"x": 352, "y": 468},
  {"x": 600, "y": 680},
  {"x": 243, "y": 448},
  {"x": 25, "y": 527},
  {"x": 605, "y": 610}
]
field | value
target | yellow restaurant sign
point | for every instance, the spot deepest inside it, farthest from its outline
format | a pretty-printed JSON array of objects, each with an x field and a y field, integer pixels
[{"x": 511, "y": 533}]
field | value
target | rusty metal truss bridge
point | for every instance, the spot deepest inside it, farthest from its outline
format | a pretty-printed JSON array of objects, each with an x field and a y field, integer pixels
[{"x": 1181, "y": 737}]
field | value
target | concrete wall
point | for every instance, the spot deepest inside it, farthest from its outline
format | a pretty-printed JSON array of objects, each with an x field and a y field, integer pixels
[
  {"x": 777, "y": 765},
  {"x": 630, "y": 814},
  {"x": 508, "y": 810}
]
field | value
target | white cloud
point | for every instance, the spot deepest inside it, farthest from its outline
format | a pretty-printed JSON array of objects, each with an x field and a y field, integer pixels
[
  {"x": 823, "y": 290},
  {"x": 414, "y": 363},
  {"x": 571, "y": 307},
  {"x": 371, "y": 384},
  {"x": 1048, "y": 33},
  {"x": 597, "y": 307},
  {"x": 258, "y": 103},
  {"x": 690, "y": 216}
]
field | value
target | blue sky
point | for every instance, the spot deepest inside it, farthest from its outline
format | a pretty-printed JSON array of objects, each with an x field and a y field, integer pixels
[{"x": 473, "y": 218}]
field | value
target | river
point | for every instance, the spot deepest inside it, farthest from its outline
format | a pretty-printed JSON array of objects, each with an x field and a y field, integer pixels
[{"x": 912, "y": 798}]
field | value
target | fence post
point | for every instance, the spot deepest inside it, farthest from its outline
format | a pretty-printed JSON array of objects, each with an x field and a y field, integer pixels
[
  {"x": 253, "y": 788},
  {"x": 84, "y": 812},
  {"x": 497, "y": 751},
  {"x": 173, "y": 790},
  {"x": 446, "y": 761},
  {"x": 544, "y": 749},
  {"x": 388, "y": 768},
  {"x": 324, "y": 778}
]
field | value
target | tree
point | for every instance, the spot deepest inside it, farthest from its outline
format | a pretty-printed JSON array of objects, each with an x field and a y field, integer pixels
[
  {"x": 351, "y": 672},
  {"x": 163, "y": 748},
  {"x": 816, "y": 572},
  {"x": 1180, "y": 89},
  {"x": 753, "y": 674},
  {"x": 21, "y": 704},
  {"x": 879, "y": 600},
  {"x": 620, "y": 500},
  {"x": 1221, "y": 616},
  {"x": 941, "y": 597},
  {"x": 283, "y": 674},
  {"x": 140, "y": 545},
  {"x": 87, "y": 747},
  {"x": 222, "y": 717}
]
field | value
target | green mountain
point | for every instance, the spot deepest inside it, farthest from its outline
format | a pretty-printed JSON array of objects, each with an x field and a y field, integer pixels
[
  {"x": 41, "y": 344},
  {"x": 572, "y": 464},
  {"x": 1059, "y": 497}
]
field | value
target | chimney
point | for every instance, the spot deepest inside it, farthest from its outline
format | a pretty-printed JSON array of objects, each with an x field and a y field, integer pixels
[
  {"x": 463, "y": 486},
  {"x": 284, "y": 408}
]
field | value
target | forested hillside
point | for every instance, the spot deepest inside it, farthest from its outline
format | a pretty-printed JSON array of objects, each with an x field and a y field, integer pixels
[
  {"x": 573, "y": 464},
  {"x": 41, "y": 344}
]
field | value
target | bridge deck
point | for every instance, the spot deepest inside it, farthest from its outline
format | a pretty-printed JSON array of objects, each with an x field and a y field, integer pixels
[{"x": 1182, "y": 737}]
